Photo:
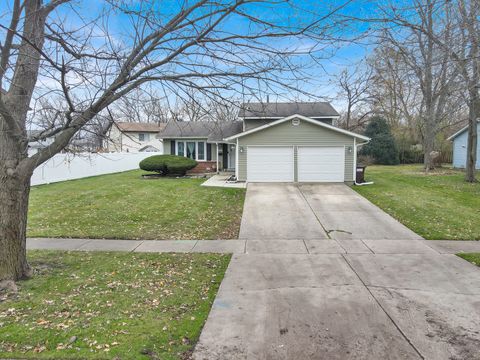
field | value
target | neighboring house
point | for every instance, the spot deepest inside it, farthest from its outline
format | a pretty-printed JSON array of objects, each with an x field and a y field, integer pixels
[
  {"x": 459, "y": 140},
  {"x": 133, "y": 137},
  {"x": 35, "y": 146},
  {"x": 273, "y": 142}
]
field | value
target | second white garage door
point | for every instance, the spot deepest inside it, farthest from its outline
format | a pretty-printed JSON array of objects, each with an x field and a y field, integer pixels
[
  {"x": 270, "y": 164},
  {"x": 321, "y": 164}
]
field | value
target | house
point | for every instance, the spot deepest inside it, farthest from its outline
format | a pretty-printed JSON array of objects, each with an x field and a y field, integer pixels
[
  {"x": 36, "y": 146},
  {"x": 459, "y": 140},
  {"x": 272, "y": 142},
  {"x": 133, "y": 137},
  {"x": 202, "y": 141}
]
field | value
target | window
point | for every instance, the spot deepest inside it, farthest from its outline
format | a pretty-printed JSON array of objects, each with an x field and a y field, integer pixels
[
  {"x": 195, "y": 150},
  {"x": 181, "y": 149},
  {"x": 143, "y": 137},
  {"x": 191, "y": 153},
  {"x": 201, "y": 150}
]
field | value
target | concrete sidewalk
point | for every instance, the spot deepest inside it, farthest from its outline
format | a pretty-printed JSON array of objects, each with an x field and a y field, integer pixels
[
  {"x": 321, "y": 273},
  {"x": 332, "y": 299},
  {"x": 320, "y": 246},
  {"x": 350, "y": 306},
  {"x": 367, "y": 287}
]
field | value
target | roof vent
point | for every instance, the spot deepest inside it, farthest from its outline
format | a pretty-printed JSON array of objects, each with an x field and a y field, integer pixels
[{"x": 295, "y": 122}]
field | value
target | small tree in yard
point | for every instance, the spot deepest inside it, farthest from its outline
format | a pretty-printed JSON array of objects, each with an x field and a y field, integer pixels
[{"x": 382, "y": 146}]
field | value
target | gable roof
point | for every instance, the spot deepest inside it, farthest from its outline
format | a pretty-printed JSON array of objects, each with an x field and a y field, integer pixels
[
  {"x": 301, "y": 117},
  {"x": 139, "y": 127},
  {"x": 283, "y": 109},
  {"x": 210, "y": 130},
  {"x": 461, "y": 131}
]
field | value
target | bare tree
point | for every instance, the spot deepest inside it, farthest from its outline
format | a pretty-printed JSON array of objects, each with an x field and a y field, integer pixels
[
  {"x": 424, "y": 63},
  {"x": 213, "y": 108},
  {"x": 353, "y": 88},
  {"x": 197, "y": 46},
  {"x": 394, "y": 93},
  {"x": 460, "y": 17}
]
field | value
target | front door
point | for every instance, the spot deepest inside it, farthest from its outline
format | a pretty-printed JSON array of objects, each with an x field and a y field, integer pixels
[{"x": 231, "y": 156}]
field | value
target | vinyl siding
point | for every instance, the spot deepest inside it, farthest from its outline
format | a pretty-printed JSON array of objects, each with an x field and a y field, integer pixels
[
  {"x": 254, "y": 123},
  {"x": 305, "y": 134},
  {"x": 167, "y": 147},
  {"x": 460, "y": 150}
]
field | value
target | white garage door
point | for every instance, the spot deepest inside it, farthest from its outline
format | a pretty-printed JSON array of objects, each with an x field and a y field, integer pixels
[
  {"x": 270, "y": 164},
  {"x": 321, "y": 164}
]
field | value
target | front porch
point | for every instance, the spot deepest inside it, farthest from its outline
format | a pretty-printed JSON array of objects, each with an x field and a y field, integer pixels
[
  {"x": 226, "y": 156},
  {"x": 222, "y": 180},
  {"x": 221, "y": 157}
]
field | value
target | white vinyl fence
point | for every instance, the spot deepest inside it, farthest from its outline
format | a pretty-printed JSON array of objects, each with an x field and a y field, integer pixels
[{"x": 68, "y": 166}]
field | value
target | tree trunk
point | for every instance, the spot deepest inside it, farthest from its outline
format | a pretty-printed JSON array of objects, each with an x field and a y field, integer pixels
[
  {"x": 14, "y": 192},
  {"x": 428, "y": 144},
  {"x": 472, "y": 137}
]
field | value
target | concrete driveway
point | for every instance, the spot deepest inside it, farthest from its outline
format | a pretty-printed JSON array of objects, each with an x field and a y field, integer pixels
[
  {"x": 315, "y": 211},
  {"x": 327, "y": 275}
]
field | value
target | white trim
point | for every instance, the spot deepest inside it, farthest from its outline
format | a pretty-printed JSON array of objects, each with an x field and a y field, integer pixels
[
  {"x": 281, "y": 117},
  {"x": 196, "y": 149},
  {"x": 457, "y": 133},
  {"x": 184, "y": 137},
  {"x": 301, "y": 117},
  {"x": 236, "y": 161},
  {"x": 460, "y": 131},
  {"x": 354, "y": 159},
  {"x": 218, "y": 170}
]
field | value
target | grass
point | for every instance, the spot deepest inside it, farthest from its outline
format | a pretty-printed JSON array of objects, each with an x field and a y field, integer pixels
[
  {"x": 474, "y": 258},
  {"x": 85, "y": 305},
  {"x": 440, "y": 205},
  {"x": 125, "y": 206}
]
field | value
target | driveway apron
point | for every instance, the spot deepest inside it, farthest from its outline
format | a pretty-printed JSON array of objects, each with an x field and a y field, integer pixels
[
  {"x": 274, "y": 211},
  {"x": 328, "y": 275}
]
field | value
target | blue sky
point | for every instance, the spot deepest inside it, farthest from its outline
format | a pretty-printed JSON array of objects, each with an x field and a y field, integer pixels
[{"x": 345, "y": 54}]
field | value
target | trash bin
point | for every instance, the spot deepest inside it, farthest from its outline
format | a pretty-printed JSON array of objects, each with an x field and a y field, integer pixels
[{"x": 360, "y": 176}]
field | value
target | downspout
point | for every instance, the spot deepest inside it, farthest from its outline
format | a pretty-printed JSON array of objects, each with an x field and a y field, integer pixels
[
  {"x": 236, "y": 161},
  {"x": 355, "y": 162}
]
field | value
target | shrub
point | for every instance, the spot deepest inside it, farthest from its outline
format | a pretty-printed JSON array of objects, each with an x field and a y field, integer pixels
[
  {"x": 382, "y": 146},
  {"x": 168, "y": 164}
]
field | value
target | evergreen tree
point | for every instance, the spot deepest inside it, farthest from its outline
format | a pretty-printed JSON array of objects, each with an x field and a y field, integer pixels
[{"x": 382, "y": 146}]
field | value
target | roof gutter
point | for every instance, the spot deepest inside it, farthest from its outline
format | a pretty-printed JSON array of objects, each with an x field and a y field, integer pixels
[
  {"x": 282, "y": 117},
  {"x": 305, "y": 118},
  {"x": 460, "y": 132}
]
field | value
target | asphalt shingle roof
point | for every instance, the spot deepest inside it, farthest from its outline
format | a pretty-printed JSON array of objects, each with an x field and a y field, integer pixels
[
  {"x": 210, "y": 130},
  {"x": 281, "y": 110},
  {"x": 139, "y": 127}
]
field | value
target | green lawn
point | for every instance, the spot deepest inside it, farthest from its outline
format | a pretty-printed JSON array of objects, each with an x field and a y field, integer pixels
[
  {"x": 474, "y": 258},
  {"x": 439, "y": 205},
  {"x": 82, "y": 305},
  {"x": 125, "y": 206}
]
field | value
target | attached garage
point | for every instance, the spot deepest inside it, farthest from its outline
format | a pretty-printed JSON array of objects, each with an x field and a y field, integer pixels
[
  {"x": 270, "y": 164},
  {"x": 296, "y": 149},
  {"x": 321, "y": 163}
]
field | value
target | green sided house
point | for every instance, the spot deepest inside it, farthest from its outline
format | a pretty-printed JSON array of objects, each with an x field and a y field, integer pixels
[{"x": 272, "y": 142}]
